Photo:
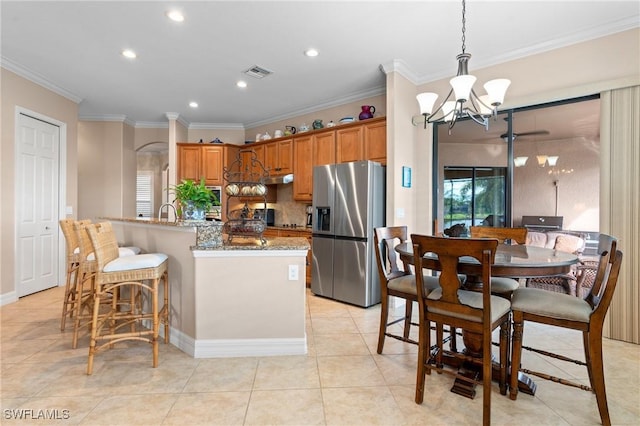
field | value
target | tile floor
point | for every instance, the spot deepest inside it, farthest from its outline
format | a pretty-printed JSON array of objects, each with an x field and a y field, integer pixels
[{"x": 341, "y": 381}]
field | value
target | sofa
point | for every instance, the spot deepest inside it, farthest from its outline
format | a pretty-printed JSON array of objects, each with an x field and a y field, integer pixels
[{"x": 567, "y": 241}]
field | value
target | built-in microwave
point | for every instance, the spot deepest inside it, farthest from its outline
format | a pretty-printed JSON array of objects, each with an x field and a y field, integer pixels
[{"x": 216, "y": 211}]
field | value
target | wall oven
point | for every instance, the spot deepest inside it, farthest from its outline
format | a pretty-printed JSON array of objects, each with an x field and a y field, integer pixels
[{"x": 215, "y": 213}]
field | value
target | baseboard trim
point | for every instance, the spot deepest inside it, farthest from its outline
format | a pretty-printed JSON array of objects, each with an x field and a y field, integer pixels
[
  {"x": 7, "y": 298},
  {"x": 223, "y": 348}
]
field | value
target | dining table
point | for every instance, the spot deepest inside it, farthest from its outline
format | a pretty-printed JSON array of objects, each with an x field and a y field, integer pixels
[{"x": 513, "y": 261}]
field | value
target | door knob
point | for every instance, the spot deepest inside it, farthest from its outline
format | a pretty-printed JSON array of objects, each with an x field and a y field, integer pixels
[{"x": 46, "y": 228}]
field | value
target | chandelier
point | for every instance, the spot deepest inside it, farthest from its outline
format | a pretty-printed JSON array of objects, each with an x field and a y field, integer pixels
[{"x": 467, "y": 103}]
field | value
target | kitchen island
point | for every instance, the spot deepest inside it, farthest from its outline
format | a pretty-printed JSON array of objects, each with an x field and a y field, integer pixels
[{"x": 227, "y": 300}]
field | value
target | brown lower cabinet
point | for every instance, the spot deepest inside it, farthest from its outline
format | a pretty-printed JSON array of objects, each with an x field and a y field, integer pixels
[{"x": 275, "y": 232}]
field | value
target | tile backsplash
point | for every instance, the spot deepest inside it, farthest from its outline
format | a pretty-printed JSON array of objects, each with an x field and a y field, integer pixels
[{"x": 287, "y": 210}]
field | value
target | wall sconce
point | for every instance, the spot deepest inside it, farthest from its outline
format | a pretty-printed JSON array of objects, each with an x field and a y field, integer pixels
[
  {"x": 552, "y": 160},
  {"x": 520, "y": 161},
  {"x": 542, "y": 159}
]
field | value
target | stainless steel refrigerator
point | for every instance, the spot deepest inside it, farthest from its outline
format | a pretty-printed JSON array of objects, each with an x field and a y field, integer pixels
[{"x": 348, "y": 203}]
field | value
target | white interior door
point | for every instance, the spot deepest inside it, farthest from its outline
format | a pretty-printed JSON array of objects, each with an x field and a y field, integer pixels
[{"x": 38, "y": 150}]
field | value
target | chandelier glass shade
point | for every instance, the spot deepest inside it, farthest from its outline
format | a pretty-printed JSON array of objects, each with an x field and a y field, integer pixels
[{"x": 462, "y": 100}]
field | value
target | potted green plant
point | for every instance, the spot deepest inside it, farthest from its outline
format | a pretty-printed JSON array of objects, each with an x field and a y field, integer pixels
[{"x": 194, "y": 200}]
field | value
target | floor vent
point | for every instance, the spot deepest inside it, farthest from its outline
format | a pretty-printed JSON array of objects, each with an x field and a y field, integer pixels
[{"x": 258, "y": 72}]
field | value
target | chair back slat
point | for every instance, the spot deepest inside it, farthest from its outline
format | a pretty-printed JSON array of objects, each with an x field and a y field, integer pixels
[
  {"x": 104, "y": 242},
  {"x": 518, "y": 235},
  {"x": 385, "y": 240},
  {"x": 449, "y": 251},
  {"x": 80, "y": 229},
  {"x": 601, "y": 291},
  {"x": 70, "y": 238}
]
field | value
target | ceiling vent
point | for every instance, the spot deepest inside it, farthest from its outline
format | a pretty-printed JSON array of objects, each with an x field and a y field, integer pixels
[{"x": 258, "y": 72}]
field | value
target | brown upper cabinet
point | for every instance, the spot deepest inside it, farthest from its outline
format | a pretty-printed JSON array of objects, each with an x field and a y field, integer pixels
[
  {"x": 212, "y": 164},
  {"x": 189, "y": 162},
  {"x": 324, "y": 148},
  {"x": 303, "y": 168},
  {"x": 368, "y": 141},
  {"x": 349, "y": 144},
  {"x": 278, "y": 157},
  {"x": 375, "y": 141},
  {"x": 197, "y": 161}
]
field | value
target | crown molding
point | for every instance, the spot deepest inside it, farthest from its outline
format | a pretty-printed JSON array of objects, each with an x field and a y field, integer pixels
[
  {"x": 401, "y": 67},
  {"x": 577, "y": 37},
  {"x": 376, "y": 91},
  {"x": 152, "y": 125},
  {"x": 40, "y": 80},
  {"x": 216, "y": 126},
  {"x": 120, "y": 118}
]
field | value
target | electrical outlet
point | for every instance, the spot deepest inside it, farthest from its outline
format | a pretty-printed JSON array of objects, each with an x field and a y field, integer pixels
[{"x": 293, "y": 272}]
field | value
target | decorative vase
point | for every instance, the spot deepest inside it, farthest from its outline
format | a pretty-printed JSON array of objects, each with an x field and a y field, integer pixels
[
  {"x": 367, "y": 112},
  {"x": 191, "y": 212}
]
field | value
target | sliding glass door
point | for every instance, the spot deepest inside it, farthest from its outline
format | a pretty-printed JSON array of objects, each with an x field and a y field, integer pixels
[{"x": 474, "y": 196}]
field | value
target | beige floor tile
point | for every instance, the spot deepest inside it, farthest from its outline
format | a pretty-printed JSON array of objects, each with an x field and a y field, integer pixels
[
  {"x": 333, "y": 325},
  {"x": 52, "y": 410},
  {"x": 131, "y": 410},
  {"x": 219, "y": 408},
  {"x": 361, "y": 406},
  {"x": 347, "y": 371},
  {"x": 367, "y": 324},
  {"x": 391, "y": 346},
  {"x": 26, "y": 380},
  {"x": 341, "y": 380},
  {"x": 322, "y": 307},
  {"x": 223, "y": 374},
  {"x": 286, "y": 407},
  {"x": 340, "y": 344},
  {"x": 398, "y": 369},
  {"x": 287, "y": 372}
]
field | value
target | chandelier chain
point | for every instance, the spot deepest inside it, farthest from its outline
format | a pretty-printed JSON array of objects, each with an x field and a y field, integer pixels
[{"x": 464, "y": 21}]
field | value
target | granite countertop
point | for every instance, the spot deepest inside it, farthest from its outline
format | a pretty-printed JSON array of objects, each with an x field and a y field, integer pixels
[
  {"x": 279, "y": 243},
  {"x": 291, "y": 228},
  {"x": 165, "y": 222}
]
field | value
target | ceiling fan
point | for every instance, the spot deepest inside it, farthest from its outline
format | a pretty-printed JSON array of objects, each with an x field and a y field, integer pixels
[{"x": 504, "y": 136}]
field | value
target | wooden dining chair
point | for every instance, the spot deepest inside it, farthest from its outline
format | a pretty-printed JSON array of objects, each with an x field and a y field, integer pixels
[
  {"x": 513, "y": 235},
  {"x": 396, "y": 279},
  {"x": 567, "y": 311},
  {"x": 501, "y": 286},
  {"x": 474, "y": 312}
]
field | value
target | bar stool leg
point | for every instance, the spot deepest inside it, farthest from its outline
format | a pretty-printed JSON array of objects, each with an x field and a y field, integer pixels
[
  {"x": 94, "y": 331},
  {"x": 166, "y": 307},
  {"x": 156, "y": 325}
]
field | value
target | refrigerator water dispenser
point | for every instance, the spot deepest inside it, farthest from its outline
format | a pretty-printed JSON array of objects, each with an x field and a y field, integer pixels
[{"x": 323, "y": 219}]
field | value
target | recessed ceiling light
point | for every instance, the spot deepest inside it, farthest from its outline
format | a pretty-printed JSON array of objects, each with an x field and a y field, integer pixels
[
  {"x": 175, "y": 15},
  {"x": 311, "y": 53},
  {"x": 193, "y": 104},
  {"x": 128, "y": 53},
  {"x": 241, "y": 84}
]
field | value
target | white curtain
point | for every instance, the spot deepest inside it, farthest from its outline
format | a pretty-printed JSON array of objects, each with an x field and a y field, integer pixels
[{"x": 620, "y": 204}]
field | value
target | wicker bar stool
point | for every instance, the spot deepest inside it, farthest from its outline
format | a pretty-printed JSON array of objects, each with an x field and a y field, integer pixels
[
  {"x": 140, "y": 275},
  {"x": 69, "y": 302},
  {"x": 87, "y": 269}
]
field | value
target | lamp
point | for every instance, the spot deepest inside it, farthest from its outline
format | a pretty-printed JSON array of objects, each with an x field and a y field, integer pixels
[
  {"x": 467, "y": 103},
  {"x": 542, "y": 159},
  {"x": 552, "y": 160},
  {"x": 520, "y": 161}
]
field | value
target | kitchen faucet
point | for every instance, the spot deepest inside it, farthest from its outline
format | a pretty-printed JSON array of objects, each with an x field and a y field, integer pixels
[{"x": 175, "y": 213}]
